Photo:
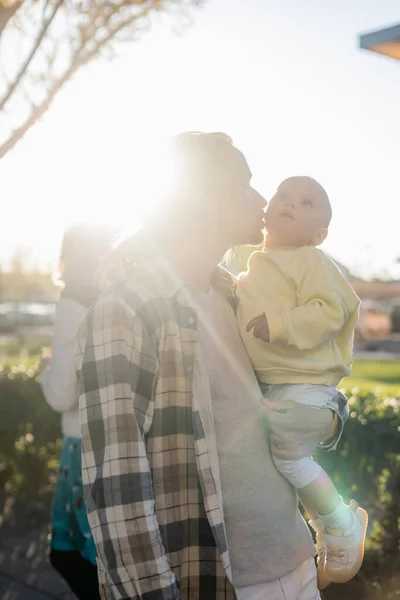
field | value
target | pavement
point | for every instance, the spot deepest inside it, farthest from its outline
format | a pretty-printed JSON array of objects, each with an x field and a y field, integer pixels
[{"x": 25, "y": 573}]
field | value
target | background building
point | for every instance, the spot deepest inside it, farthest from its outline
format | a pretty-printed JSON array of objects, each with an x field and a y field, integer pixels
[{"x": 384, "y": 41}]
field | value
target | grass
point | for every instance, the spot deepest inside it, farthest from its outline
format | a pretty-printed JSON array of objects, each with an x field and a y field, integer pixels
[
  {"x": 372, "y": 376},
  {"x": 367, "y": 375}
]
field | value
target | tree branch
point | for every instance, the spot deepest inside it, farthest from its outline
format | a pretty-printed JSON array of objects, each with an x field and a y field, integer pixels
[
  {"x": 39, "y": 111},
  {"x": 26, "y": 64},
  {"x": 87, "y": 49},
  {"x": 6, "y": 13}
]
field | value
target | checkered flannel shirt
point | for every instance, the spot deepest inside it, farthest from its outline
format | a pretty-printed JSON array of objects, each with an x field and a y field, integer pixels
[{"x": 150, "y": 466}]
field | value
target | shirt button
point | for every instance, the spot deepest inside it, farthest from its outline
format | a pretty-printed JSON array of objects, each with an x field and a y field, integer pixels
[{"x": 191, "y": 321}]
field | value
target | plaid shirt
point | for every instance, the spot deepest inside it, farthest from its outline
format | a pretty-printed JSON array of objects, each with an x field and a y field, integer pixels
[{"x": 150, "y": 465}]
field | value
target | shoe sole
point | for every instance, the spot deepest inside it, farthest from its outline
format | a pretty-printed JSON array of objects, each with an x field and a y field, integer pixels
[
  {"x": 344, "y": 575},
  {"x": 322, "y": 579}
]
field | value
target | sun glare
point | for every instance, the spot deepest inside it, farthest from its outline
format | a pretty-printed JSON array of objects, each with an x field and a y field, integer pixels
[{"x": 124, "y": 192}]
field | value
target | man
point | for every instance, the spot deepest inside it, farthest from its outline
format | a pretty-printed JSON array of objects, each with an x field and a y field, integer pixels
[{"x": 183, "y": 499}]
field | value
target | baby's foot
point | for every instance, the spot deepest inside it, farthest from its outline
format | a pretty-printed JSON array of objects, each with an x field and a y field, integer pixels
[{"x": 345, "y": 548}]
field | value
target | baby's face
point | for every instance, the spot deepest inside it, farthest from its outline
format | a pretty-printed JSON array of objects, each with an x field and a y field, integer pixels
[{"x": 297, "y": 213}]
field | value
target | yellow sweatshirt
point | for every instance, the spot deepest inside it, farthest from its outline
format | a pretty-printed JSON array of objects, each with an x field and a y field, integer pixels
[{"x": 311, "y": 311}]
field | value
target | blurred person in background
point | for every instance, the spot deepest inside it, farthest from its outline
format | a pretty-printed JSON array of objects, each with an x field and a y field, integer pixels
[{"x": 73, "y": 552}]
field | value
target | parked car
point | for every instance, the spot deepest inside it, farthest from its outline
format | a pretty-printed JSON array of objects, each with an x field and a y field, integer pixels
[
  {"x": 14, "y": 315},
  {"x": 396, "y": 317}
]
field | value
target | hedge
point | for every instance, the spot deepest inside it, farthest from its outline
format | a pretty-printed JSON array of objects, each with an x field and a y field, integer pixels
[{"x": 366, "y": 465}]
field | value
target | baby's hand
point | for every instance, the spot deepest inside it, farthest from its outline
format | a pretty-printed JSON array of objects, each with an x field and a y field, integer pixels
[{"x": 261, "y": 329}]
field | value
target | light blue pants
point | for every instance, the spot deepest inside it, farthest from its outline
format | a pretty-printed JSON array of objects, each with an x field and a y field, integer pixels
[{"x": 305, "y": 470}]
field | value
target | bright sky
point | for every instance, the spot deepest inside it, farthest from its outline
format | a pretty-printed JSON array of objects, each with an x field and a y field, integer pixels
[{"x": 285, "y": 79}]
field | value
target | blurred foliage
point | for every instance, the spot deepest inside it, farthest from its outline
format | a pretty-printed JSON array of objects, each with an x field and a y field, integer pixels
[
  {"x": 29, "y": 447},
  {"x": 14, "y": 351},
  {"x": 366, "y": 465},
  {"x": 22, "y": 281}
]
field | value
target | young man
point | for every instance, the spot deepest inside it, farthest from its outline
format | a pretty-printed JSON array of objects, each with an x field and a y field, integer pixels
[{"x": 183, "y": 498}]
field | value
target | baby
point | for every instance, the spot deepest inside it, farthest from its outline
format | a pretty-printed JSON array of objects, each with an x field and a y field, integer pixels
[{"x": 297, "y": 315}]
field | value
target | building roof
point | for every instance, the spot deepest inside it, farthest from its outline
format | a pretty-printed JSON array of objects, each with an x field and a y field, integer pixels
[{"x": 384, "y": 41}]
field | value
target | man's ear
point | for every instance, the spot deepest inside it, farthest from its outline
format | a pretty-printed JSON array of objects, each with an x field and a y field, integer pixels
[{"x": 320, "y": 237}]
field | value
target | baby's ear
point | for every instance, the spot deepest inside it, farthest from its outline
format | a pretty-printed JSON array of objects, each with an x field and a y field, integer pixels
[{"x": 320, "y": 237}]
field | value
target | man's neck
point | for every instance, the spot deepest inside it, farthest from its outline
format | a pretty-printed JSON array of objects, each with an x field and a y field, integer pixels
[{"x": 194, "y": 259}]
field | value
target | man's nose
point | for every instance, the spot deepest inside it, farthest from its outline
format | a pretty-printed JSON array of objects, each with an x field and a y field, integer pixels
[{"x": 260, "y": 199}]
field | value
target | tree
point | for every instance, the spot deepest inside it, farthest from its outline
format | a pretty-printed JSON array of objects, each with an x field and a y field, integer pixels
[
  {"x": 45, "y": 42},
  {"x": 22, "y": 281},
  {"x": 7, "y": 10}
]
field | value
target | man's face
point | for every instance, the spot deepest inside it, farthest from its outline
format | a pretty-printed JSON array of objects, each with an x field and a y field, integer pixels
[{"x": 240, "y": 207}]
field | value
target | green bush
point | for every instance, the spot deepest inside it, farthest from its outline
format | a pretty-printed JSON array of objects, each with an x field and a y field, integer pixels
[
  {"x": 29, "y": 446},
  {"x": 366, "y": 465}
]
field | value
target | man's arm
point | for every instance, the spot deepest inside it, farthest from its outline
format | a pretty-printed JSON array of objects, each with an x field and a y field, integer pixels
[{"x": 117, "y": 369}]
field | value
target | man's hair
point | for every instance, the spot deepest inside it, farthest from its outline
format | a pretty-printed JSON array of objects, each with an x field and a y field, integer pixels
[
  {"x": 198, "y": 146},
  {"x": 196, "y": 138},
  {"x": 198, "y": 160}
]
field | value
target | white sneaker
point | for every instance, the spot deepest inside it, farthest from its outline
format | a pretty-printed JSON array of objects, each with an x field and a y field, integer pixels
[
  {"x": 345, "y": 549},
  {"x": 322, "y": 579}
]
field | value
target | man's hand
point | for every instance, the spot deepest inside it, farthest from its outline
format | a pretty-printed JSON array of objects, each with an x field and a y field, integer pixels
[
  {"x": 296, "y": 429},
  {"x": 261, "y": 329}
]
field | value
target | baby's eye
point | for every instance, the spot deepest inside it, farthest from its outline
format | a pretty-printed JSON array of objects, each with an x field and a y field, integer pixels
[{"x": 307, "y": 202}]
